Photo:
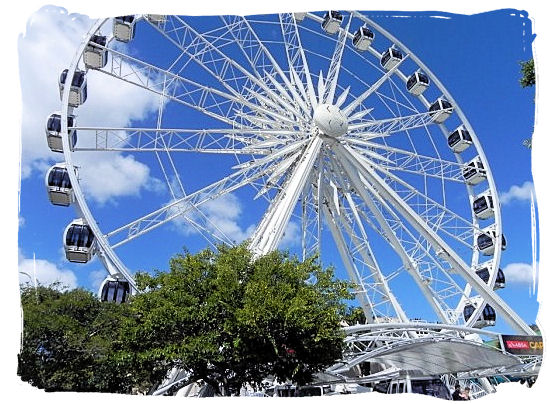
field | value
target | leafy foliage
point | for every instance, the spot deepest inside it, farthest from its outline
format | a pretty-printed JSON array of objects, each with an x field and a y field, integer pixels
[
  {"x": 354, "y": 316},
  {"x": 527, "y": 80},
  {"x": 229, "y": 319},
  {"x": 225, "y": 317},
  {"x": 527, "y": 73},
  {"x": 68, "y": 341}
]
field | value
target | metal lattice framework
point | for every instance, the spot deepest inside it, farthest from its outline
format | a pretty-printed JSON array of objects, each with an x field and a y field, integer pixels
[{"x": 325, "y": 135}]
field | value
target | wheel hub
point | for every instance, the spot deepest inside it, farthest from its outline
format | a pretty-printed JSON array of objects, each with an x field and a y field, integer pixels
[{"x": 330, "y": 120}]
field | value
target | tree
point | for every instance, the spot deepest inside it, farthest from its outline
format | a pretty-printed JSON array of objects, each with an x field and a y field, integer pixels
[
  {"x": 230, "y": 319},
  {"x": 67, "y": 342},
  {"x": 527, "y": 73},
  {"x": 225, "y": 317},
  {"x": 354, "y": 316},
  {"x": 527, "y": 80}
]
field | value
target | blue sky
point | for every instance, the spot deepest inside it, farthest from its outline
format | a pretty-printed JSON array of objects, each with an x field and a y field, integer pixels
[{"x": 476, "y": 58}]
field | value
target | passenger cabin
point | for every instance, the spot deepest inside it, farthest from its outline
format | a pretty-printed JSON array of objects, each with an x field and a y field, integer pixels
[
  {"x": 53, "y": 132},
  {"x": 483, "y": 206},
  {"x": 440, "y": 110},
  {"x": 459, "y": 140},
  {"x": 79, "y": 87},
  {"x": 363, "y": 38},
  {"x": 474, "y": 171},
  {"x": 114, "y": 290},
  {"x": 95, "y": 53},
  {"x": 390, "y": 58},
  {"x": 486, "y": 319},
  {"x": 157, "y": 19},
  {"x": 79, "y": 242},
  {"x": 486, "y": 242},
  {"x": 58, "y": 185},
  {"x": 332, "y": 21},
  {"x": 124, "y": 28},
  {"x": 299, "y": 17},
  {"x": 500, "y": 281},
  {"x": 417, "y": 83}
]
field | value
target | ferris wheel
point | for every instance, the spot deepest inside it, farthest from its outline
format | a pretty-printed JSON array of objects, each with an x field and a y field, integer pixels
[{"x": 329, "y": 121}]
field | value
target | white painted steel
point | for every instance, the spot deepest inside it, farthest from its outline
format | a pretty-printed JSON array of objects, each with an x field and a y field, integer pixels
[{"x": 298, "y": 133}]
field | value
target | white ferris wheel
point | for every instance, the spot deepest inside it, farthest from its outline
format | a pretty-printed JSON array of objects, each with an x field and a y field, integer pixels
[{"x": 330, "y": 121}]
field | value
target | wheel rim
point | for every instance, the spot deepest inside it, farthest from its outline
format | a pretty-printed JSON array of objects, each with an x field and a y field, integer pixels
[{"x": 291, "y": 127}]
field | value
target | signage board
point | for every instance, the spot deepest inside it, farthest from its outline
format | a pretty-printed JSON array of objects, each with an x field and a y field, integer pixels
[{"x": 522, "y": 344}]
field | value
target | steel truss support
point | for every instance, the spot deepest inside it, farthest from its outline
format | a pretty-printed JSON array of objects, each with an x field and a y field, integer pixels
[
  {"x": 408, "y": 263},
  {"x": 272, "y": 227},
  {"x": 443, "y": 250}
]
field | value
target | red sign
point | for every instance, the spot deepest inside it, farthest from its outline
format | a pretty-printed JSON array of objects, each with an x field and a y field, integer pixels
[
  {"x": 517, "y": 344},
  {"x": 523, "y": 344}
]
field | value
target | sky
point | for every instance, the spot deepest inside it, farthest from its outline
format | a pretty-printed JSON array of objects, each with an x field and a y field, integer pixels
[
  {"x": 475, "y": 57},
  {"x": 479, "y": 69}
]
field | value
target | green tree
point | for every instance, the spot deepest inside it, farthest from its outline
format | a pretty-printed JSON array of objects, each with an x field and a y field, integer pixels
[
  {"x": 527, "y": 73},
  {"x": 527, "y": 80},
  {"x": 354, "y": 316},
  {"x": 67, "y": 342},
  {"x": 230, "y": 319}
]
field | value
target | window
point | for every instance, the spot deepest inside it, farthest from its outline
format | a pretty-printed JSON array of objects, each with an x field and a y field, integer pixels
[
  {"x": 480, "y": 204},
  {"x": 468, "y": 311},
  {"x": 483, "y": 274},
  {"x": 431, "y": 387},
  {"x": 484, "y": 241},
  {"x": 411, "y": 82}
]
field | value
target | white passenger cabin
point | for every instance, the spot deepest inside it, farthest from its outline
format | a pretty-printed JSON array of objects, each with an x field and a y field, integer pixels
[
  {"x": 486, "y": 241},
  {"x": 487, "y": 317},
  {"x": 459, "y": 139},
  {"x": 332, "y": 21},
  {"x": 484, "y": 274},
  {"x": 474, "y": 171},
  {"x": 417, "y": 83},
  {"x": 79, "y": 242},
  {"x": 363, "y": 38},
  {"x": 95, "y": 52},
  {"x": 440, "y": 110},
  {"x": 390, "y": 58},
  {"x": 483, "y": 205},
  {"x": 157, "y": 19},
  {"x": 53, "y": 132},
  {"x": 114, "y": 290},
  {"x": 58, "y": 185},
  {"x": 299, "y": 17},
  {"x": 79, "y": 87},
  {"x": 124, "y": 28}
]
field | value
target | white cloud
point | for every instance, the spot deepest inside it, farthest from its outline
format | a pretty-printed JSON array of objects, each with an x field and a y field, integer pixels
[
  {"x": 519, "y": 272},
  {"x": 47, "y": 47},
  {"x": 292, "y": 236},
  {"x": 223, "y": 214},
  {"x": 104, "y": 177},
  {"x": 517, "y": 193},
  {"x": 46, "y": 272},
  {"x": 97, "y": 277}
]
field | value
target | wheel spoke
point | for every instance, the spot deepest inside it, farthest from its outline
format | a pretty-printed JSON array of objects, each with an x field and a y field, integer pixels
[
  {"x": 183, "y": 206},
  {"x": 396, "y": 159},
  {"x": 223, "y": 141},
  {"x": 210, "y": 101},
  {"x": 436, "y": 241},
  {"x": 360, "y": 249},
  {"x": 295, "y": 55},
  {"x": 393, "y": 125},
  {"x": 334, "y": 69},
  {"x": 271, "y": 229}
]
